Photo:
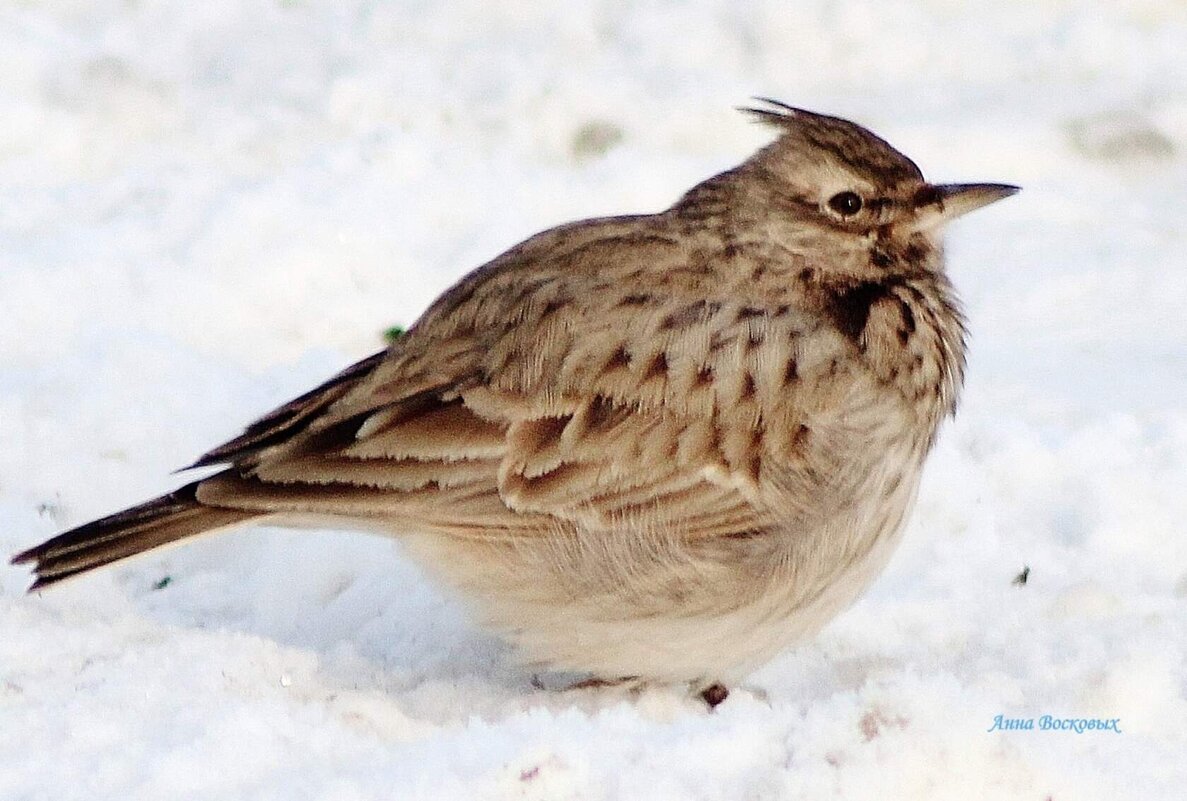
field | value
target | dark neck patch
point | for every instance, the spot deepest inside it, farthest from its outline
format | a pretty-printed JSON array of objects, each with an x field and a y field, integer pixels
[{"x": 849, "y": 307}]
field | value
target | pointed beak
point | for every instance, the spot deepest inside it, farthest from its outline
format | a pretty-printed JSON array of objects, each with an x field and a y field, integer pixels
[
  {"x": 958, "y": 200},
  {"x": 942, "y": 203}
]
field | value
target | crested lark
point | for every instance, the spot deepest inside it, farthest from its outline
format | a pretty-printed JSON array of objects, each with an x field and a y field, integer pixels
[{"x": 662, "y": 446}]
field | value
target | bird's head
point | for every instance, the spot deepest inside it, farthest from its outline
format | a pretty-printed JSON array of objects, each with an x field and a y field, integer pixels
[{"x": 834, "y": 179}]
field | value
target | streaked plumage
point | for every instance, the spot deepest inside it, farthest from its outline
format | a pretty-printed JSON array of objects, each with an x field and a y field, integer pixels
[{"x": 661, "y": 446}]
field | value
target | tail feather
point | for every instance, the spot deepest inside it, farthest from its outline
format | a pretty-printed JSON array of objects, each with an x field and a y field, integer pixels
[{"x": 141, "y": 528}]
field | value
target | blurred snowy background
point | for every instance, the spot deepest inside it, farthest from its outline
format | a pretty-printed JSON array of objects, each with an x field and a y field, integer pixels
[{"x": 207, "y": 207}]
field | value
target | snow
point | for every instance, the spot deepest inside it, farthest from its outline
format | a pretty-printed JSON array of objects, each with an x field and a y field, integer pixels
[{"x": 207, "y": 207}]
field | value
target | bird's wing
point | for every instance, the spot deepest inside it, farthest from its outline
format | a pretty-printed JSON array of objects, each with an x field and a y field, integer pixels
[
  {"x": 285, "y": 422},
  {"x": 537, "y": 395}
]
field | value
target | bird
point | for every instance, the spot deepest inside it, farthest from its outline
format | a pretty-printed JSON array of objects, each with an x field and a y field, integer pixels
[{"x": 656, "y": 448}]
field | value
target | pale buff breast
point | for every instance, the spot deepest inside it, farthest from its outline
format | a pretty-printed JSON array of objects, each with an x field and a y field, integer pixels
[{"x": 676, "y": 610}]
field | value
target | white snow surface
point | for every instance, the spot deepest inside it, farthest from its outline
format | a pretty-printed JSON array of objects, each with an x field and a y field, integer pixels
[{"x": 205, "y": 208}]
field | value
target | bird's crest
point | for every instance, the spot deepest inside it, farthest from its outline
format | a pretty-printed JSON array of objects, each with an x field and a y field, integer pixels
[{"x": 847, "y": 142}]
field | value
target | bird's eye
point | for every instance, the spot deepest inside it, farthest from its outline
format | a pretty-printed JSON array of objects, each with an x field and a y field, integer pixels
[{"x": 845, "y": 203}]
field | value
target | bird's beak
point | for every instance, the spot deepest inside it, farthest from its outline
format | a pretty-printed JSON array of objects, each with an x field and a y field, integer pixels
[{"x": 942, "y": 203}]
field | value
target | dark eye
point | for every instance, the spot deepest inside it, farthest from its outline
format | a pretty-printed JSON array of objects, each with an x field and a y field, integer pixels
[{"x": 845, "y": 203}]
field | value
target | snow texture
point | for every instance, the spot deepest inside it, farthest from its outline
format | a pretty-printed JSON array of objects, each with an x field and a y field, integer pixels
[{"x": 207, "y": 207}]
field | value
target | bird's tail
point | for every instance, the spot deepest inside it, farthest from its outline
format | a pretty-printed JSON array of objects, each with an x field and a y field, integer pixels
[{"x": 141, "y": 528}]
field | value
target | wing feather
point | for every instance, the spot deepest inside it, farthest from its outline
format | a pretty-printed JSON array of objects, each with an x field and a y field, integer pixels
[{"x": 523, "y": 408}]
